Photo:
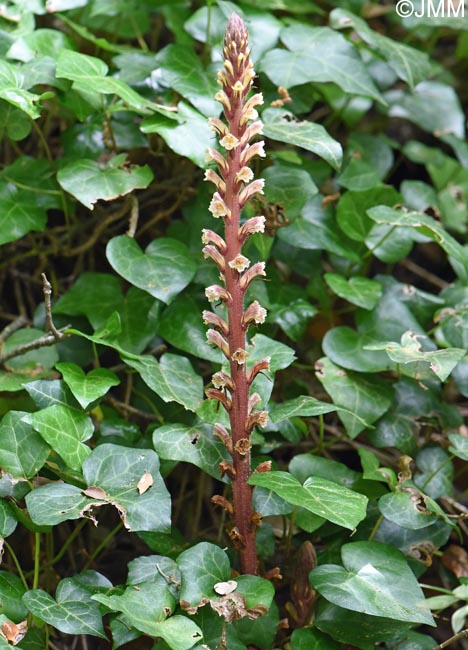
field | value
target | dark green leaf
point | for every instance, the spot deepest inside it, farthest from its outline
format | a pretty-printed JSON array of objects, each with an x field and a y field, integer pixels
[
  {"x": 304, "y": 639},
  {"x": 201, "y": 567},
  {"x": 405, "y": 509},
  {"x": 87, "y": 388},
  {"x": 196, "y": 445},
  {"x": 347, "y": 348},
  {"x": 376, "y": 580},
  {"x": 65, "y": 430},
  {"x": 163, "y": 270},
  {"x": 362, "y": 292},
  {"x": 88, "y": 181},
  {"x": 364, "y": 397},
  {"x": 281, "y": 125},
  {"x": 23, "y": 452},
  {"x": 321, "y": 496}
]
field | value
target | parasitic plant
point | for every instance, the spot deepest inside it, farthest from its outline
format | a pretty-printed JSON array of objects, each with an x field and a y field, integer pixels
[{"x": 234, "y": 186}]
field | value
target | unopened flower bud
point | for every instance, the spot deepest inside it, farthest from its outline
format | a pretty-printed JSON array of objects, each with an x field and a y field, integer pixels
[
  {"x": 259, "y": 366},
  {"x": 250, "y": 274},
  {"x": 211, "y": 237},
  {"x": 254, "y": 129},
  {"x": 254, "y": 399},
  {"x": 213, "y": 177},
  {"x": 215, "y": 338},
  {"x": 209, "y": 318},
  {"x": 212, "y": 154},
  {"x": 213, "y": 253},
  {"x": 217, "y": 126},
  {"x": 239, "y": 263},
  {"x": 222, "y": 98},
  {"x": 213, "y": 393},
  {"x": 222, "y": 433}
]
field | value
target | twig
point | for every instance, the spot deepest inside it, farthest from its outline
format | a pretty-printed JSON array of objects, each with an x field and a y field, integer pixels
[
  {"x": 7, "y": 331},
  {"x": 453, "y": 639},
  {"x": 53, "y": 336},
  {"x": 424, "y": 273},
  {"x": 134, "y": 215}
]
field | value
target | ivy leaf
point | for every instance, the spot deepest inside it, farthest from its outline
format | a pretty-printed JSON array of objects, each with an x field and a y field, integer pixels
[
  {"x": 362, "y": 292},
  {"x": 94, "y": 295},
  {"x": 88, "y": 181},
  {"x": 11, "y": 593},
  {"x": 201, "y": 567},
  {"x": 19, "y": 213},
  {"x": 282, "y": 125},
  {"x": 423, "y": 224},
  {"x": 163, "y": 270},
  {"x": 87, "y": 388},
  {"x": 12, "y": 92},
  {"x": 375, "y": 580},
  {"x": 349, "y": 349},
  {"x": 89, "y": 75},
  {"x": 364, "y": 397},
  {"x": 182, "y": 70},
  {"x": 318, "y": 54},
  {"x": 410, "y": 64},
  {"x": 458, "y": 445},
  {"x": 23, "y": 452},
  {"x": 8, "y": 521},
  {"x": 173, "y": 378},
  {"x": 311, "y": 639},
  {"x": 404, "y": 509},
  {"x": 305, "y": 406},
  {"x": 49, "y": 505},
  {"x": 329, "y": 500},
  {"x": 64, "y": 430},
  {"x": 196, "y": 445},
  {"x": 187, "y": 133},
  {"x": 116, "y": 470},
  {"x": 66, "y": 614},
  {"x": 409, "y": 352}
]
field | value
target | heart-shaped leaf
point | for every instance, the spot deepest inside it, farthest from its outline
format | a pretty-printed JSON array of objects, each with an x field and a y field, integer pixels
[
  {"x": 376, "y": 580},
  {"x": 163, "y": 270},
  {"x": 89, "y": 387}
]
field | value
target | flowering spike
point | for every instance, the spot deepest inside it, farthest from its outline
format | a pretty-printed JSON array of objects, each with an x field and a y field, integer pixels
[{"x": 234, "y": 187}]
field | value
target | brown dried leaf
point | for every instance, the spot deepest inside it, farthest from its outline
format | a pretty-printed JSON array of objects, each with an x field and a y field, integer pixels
[
  {"x": 96, "y": 493},
  {"x": 455, "y": 559},
  {"x": 145, "y": 483},
  {"x": 13, "y": 632}
]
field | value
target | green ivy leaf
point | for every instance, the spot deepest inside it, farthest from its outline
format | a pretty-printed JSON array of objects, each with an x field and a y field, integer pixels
[
  {"x": 186, "y": 132},
  {"x": 8, "y": 521},
  {"x": 304, "y": 406},
  {"x": 65, "y": 430},
  {"x": 347, "y": 348},
  {"x": 364, "y": 397},
  {"x": 12, "y": 92},
  {"x": 88, "y": 181},
  {"x": 409, "y": 353},
  {"x": 173, "y": 378},
  {"x": 281, "y": 125},
  {"x": 201, "y": 567},
  {"x": 66, "y": 614},
  {"x": 11, "y": 593},
  {"x": 87, "y": 388},
  {"x": 423, "y": 224},
  {"x": 329, "y": 500},
  {"x": 20, "y": 213},
  {"x": 49, "y": 505},
  {"x": 311, "y": 639},
  {"x": 196, "y": 445},
  {"x": 404, "y": 509},
  {"x": 362, "y": 292},
  {"x": 410, "y": 64},
  {"x": 23, "y": 452},
  {"x": 458, "y": 445},
  {"x": 376, "y": 580},
  {"x": 318, "y": 54},
  {"x": 182, "y": 70},
  {"x": 163, "y": 270},
  {"x": 117, "y": 471}
]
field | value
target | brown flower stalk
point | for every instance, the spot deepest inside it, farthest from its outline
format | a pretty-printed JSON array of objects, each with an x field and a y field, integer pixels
[{"x": 235, "y": 184}]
